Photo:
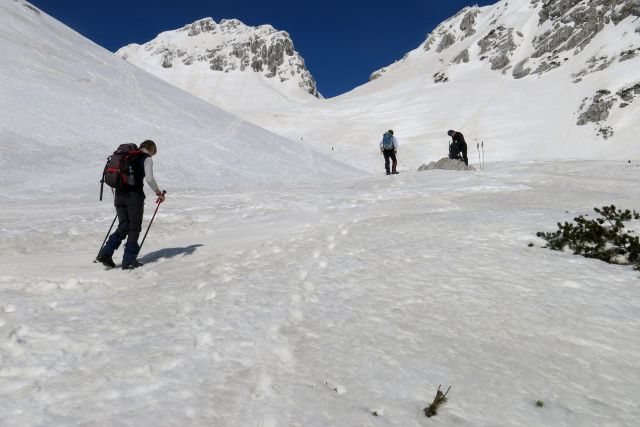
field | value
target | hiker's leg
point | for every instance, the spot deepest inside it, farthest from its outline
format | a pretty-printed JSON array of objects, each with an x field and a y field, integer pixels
[
  {"x": 135, "y": 209},
  {"x": 386, "y": 161},
  {"x": 113, "y": 242},
  {"x": 395, "y": 162}
]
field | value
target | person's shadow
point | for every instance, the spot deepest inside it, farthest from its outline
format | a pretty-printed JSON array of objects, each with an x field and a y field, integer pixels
[{"x": 168, "y": 253}]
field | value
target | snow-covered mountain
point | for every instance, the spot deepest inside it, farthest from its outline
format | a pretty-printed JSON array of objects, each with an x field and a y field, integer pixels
[
  {"x": 578, "y": 38},
  {"x": 532, "y": 79},
  {"x": 225, "y": 61},
  {"x": 66, "y": 99}
]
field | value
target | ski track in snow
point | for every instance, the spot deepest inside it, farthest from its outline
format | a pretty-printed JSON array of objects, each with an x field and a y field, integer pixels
[{"x": 319, "y": 303}]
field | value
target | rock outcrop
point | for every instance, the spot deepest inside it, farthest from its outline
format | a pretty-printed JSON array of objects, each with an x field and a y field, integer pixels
[
  {"x": 228, "y": 46},
  {"x": 446, "y": 163}
]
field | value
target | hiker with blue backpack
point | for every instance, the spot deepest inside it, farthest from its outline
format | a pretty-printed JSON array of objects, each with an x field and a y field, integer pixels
[
  {"x": 389, "y": 148},
  {"x": 125, "y": 171}
]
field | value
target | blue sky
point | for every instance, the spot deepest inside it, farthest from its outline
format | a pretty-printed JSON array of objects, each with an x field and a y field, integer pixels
[{"x": 342, "y": 42}]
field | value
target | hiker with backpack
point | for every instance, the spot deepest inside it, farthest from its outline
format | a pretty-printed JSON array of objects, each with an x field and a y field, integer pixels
[
  {"x": 458, "y": 146},
  {"x": 125, "y": 171},
  {"x": 389, "y": 148}
]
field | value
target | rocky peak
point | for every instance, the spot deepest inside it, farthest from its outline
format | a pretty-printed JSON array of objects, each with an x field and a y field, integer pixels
[
  {"x": 572, "y": 26},
  {"x": 456, "y": 28},
  {"x": 227, "y": 46},
  {"x": 497, "y": 33}
]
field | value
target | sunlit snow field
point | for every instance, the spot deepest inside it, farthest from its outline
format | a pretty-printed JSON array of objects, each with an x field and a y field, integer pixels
[
  {"x": 318, "y": 304},
  {"x": 288, "y": 281}
]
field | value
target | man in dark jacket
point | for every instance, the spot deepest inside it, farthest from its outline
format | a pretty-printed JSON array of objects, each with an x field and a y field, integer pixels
[
  {"x": 458, "y": 147},
  {"x": 129, "y": 203}
]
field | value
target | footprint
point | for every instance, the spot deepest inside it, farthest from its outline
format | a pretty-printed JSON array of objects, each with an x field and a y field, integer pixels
[
  {"x": 210, "y": 296},
  {"x": 9, "y": 308},
  {"x": 203, "y": 340},
  {"x": 262, "y": 385},
  {"x": 201, "y": 285}
]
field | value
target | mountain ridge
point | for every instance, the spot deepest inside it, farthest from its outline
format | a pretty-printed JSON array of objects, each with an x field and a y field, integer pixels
[{"x": 203, "y": 57}]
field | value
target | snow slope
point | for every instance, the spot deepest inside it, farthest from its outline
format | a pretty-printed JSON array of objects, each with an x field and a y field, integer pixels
[
  {"x": 532, "y": 71},
  {"x": 315, "y": 306},
  {"x": 68, "y": 103},
  {"x": 280, "y": 288},
  {"x": 534, "y": 117}
]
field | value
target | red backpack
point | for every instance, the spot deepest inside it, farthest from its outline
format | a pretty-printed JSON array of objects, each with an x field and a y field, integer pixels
[{"x": 119, "y": 171}]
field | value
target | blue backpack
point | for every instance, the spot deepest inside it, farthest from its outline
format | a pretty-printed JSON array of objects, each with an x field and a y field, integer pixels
[{"x": 387, "y": 141}]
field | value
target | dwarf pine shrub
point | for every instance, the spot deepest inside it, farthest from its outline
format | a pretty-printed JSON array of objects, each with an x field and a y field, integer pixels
[{"x": 602, "y": 238}]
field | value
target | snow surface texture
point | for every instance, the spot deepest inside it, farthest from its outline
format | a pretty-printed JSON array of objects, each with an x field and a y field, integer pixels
[
  {"x": 317, "y": 305},
  {"x": 281, "y": 287},
  {"x": 68, "y": 103},
  {"x": 469, "y": 75}
]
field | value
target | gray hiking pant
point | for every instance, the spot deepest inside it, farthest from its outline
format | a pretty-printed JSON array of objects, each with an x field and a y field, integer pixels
[{"x": 130, "y": 208}]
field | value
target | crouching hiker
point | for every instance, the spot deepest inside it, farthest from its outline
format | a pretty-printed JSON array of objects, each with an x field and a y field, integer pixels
[
  {"x": 458, "y": 147},
  {"x": 125, "y": 171},
  {"x": 389, "y": 148}
]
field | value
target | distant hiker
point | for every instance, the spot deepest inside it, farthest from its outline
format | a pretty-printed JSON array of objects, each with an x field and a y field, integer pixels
[
  {"x": 458, "y": 147},
  {"x": 388, "y": 148},
  {"x": 129, "y": 203}
]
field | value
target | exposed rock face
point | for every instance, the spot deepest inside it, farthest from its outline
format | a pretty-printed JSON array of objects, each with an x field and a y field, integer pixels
[
  {"x": 225, "y": 47},
  {"x": 440, "y": 78},
  {"x": 468, "y": 22},
  {"x": 447, "y": 40},
  {"x": 598, "y": 110},
  {"x": 580, "y": 21},
  {"x": 569, "y": 26},
  {"x": 521, "y": 70},
  {"x": 446, "y": 34},
  {"x": 601, "y": 105},
  {"x": 603, "y": 102},
  {"x": 628, "y": 94},
  {"x": 498, "y": 45},
  {"x": 377, "y": 74},
  {"x": 461, "y": 57}
]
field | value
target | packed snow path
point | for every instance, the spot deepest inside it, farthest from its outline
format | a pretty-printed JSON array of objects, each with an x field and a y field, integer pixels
[{"x": 316, "y": 305}]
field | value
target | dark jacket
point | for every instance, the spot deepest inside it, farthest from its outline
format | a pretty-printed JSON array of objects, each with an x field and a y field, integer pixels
[{"x": 457, "y": 146}]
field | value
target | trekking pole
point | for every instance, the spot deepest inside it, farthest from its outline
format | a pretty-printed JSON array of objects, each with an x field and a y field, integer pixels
[
  {"x": 158, "y": 202},
  {"x": 482, "y": 146},
  {"x": 478, "y": 147},
  {"x": 105, "y": 238}
]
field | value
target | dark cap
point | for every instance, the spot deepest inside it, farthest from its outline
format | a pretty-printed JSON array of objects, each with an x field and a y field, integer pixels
[{"x": 451, "y": 132}]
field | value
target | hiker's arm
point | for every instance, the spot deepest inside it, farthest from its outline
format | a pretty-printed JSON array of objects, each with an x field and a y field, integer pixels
[{"x": 148, "y": 174}]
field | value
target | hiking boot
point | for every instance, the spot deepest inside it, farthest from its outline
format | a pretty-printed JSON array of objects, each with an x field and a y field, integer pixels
[
  {"x": 133, "y": 265},
  {"x": 395, "y": 173},
  {"x": 106, "y": 260}
]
